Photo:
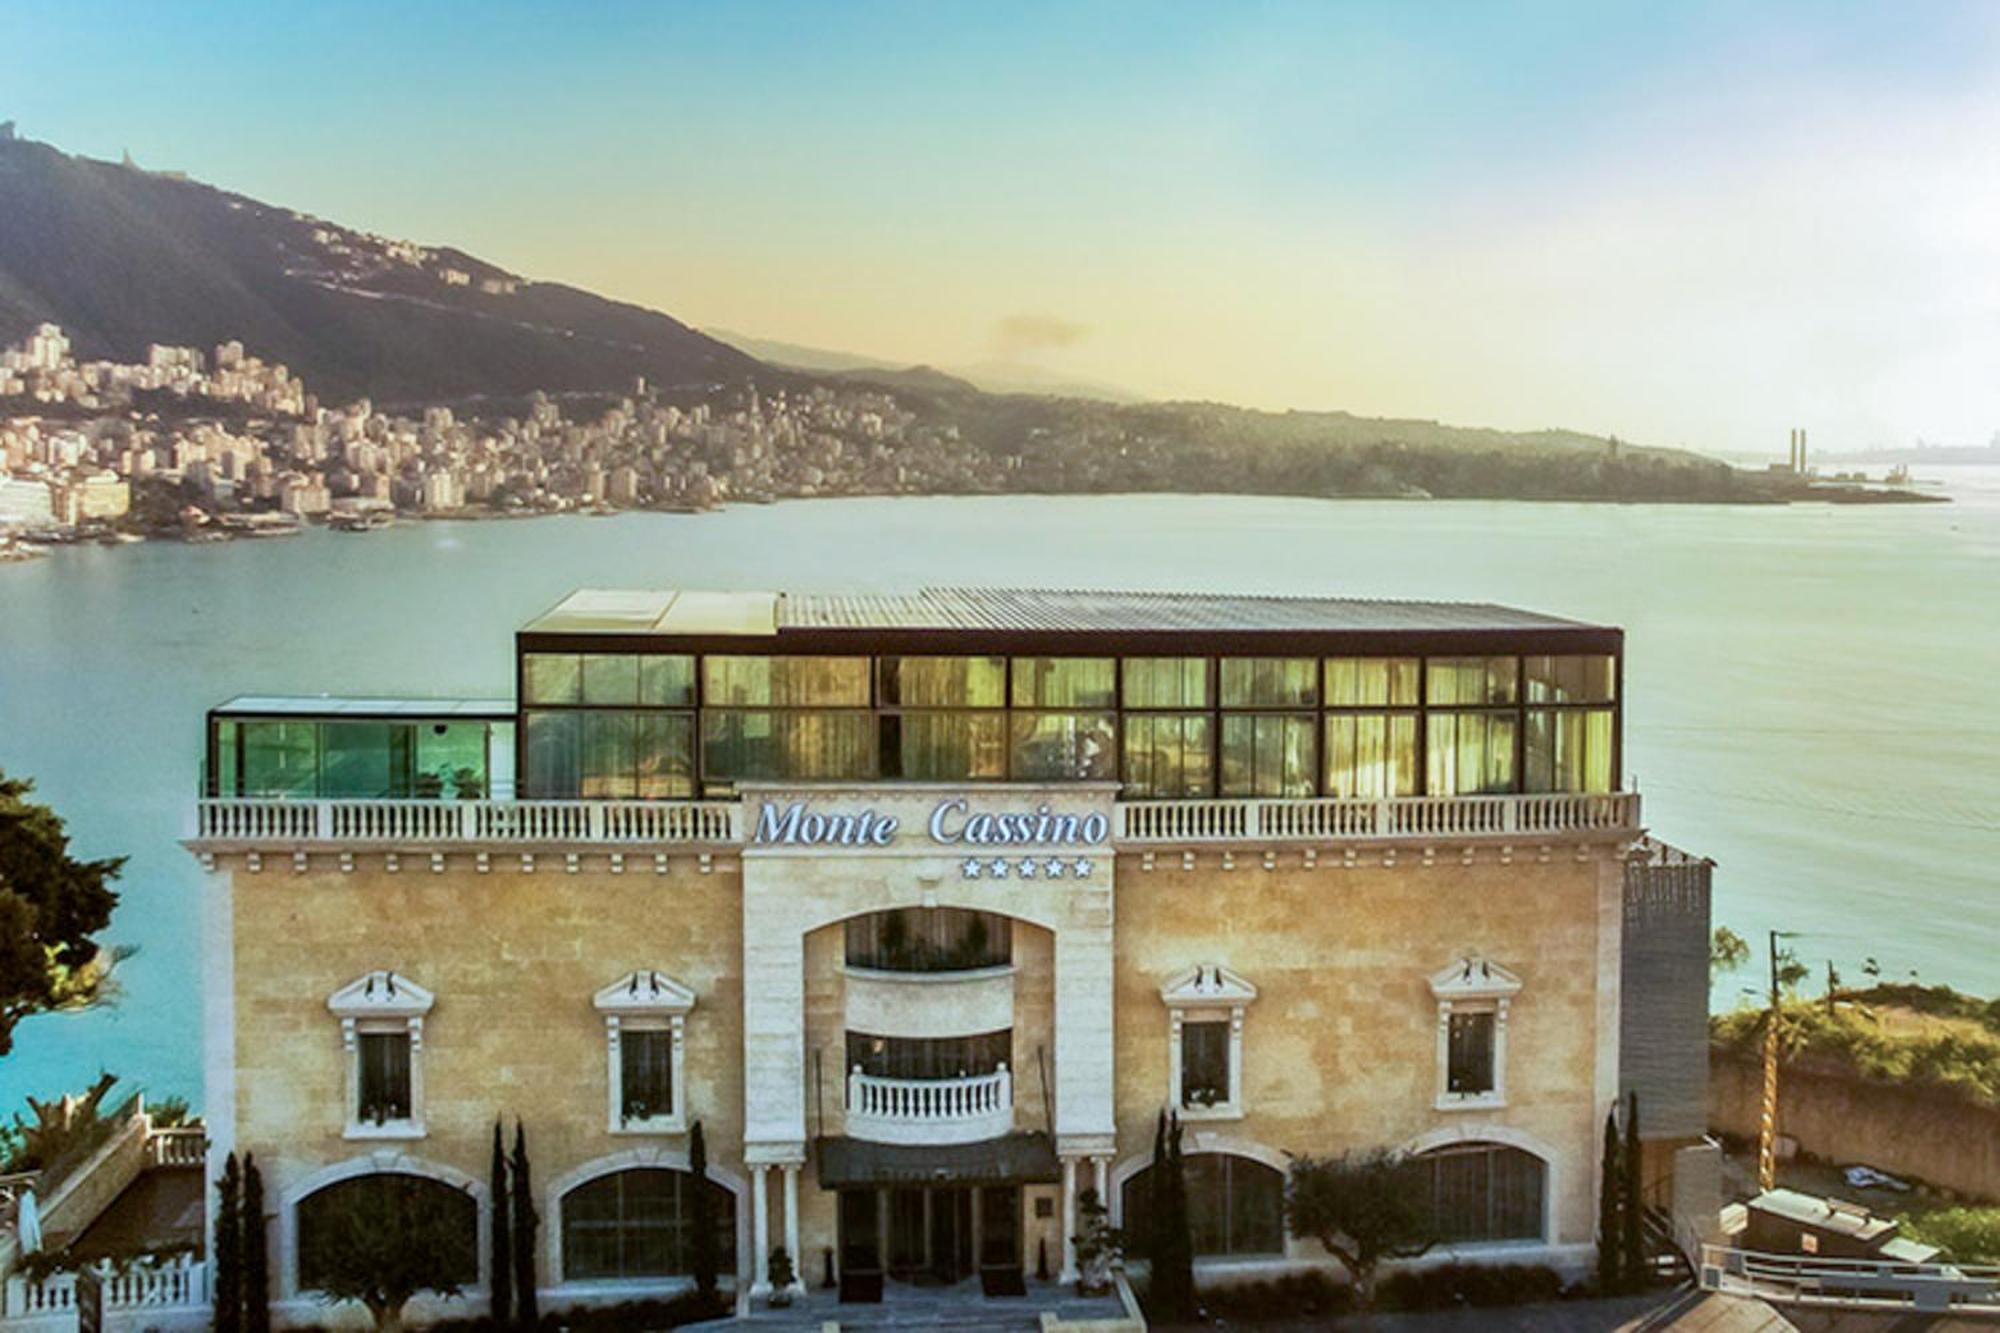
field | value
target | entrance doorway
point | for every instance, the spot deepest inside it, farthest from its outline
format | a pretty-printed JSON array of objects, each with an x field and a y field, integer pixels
[{"x": 929, "y": 1236}]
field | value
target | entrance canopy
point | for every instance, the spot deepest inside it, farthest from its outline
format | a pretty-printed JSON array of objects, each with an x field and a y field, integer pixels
[{"x": 1013, "y": 1159}]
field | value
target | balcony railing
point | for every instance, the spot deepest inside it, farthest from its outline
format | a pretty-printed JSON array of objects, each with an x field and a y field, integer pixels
[
  {"x": 149, "y": 1288},
  {"x": 1404, "y": 818},
  {"x": 930, "y": 1111},
  {"x": 405, "y": 822},
  {"x": 284, "y": 822},
  {"x": 178, "y": 1145}
]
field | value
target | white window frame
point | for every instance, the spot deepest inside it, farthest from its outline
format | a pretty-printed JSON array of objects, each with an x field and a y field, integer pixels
[
  {"x": 382, "y": 1002},
  {"x": 1473, "y": 985},
  {"x": 645, "y": 1000},
  {"x": 1202, "y": 995}
]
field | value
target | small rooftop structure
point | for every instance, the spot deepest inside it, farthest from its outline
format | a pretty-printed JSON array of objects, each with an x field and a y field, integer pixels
[{"x": 1788, "y": 1222}]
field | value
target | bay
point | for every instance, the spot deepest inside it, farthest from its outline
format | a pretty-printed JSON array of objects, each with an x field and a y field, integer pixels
[{"x": 1810, "y": 689}]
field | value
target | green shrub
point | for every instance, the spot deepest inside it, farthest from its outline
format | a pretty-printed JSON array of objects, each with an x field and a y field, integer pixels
[
  {"x": 1294, "y": 1295},
  {"x": 1446, "y": 1286},
  {"x": 1967, "y": 1235}
]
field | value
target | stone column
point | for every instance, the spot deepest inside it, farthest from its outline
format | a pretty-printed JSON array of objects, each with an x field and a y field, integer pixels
[
  {"x": 1068, "y": 1220},
  {"x": 760, "y": 1231},
  {"x": 1100, "y": 1170},
  {"x": 791, "y": 1170}
]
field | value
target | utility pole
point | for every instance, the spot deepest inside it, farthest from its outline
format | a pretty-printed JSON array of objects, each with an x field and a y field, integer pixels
[{"x": 1767, "y": 1136}]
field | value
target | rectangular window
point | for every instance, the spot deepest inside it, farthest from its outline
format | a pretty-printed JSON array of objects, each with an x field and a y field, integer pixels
[
  {"x": 1267, "y": 754},
  {"x": 1371, "y": 682},
  {"x": 1371, "y": 756},
  {"x": 944, "y": 682},
  {"x": 1469, "y": 1054},
  {"x": 552, "y": 755},
  {"x": 646, "y": 1073},
  {"x": 1064, "y": 682},
  {"x": 1472, "y": 680},
  {"x": 610, "y": 765},
  {"x": 1166, "y": 682},
  {"x": 929, "y": 1058},
  {"x": 785, "y": 682},
  {"x": 1269, "y": 682},
  {"x": 280, "y": 758},
  {"x": 1575, "y": 679},
  {"x": 1205, "y": 1063},
  {"x": 795, "y": 744},
  {"x": 666, "y": 681},
  {"x": 551, "y": 678},
  {"x": 1167, "y": 755},
  {"x": 384, "y": 1086},
  {"x": 1569, "y": 749},
  {"x": 451, "y": 760},
  {"x": 366, "y": 761},
  {"x": 944, "y": 747},
  {"x": 1469, "y": 753},
  {"x": 1064, "y": 747},
  {"x": 611, "y": 678}
]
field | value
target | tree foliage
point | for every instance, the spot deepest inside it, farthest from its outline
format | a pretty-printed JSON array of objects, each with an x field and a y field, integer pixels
[
  {"x": 1170, "y": 1247},
  {"x": 256, "y": 1250},
  {"x": 51, "y": 907},
  {"x": 1727, "y": 951},
  {"x": 382, "y": 1239},
  {"x": 527, "y": 1310},
  {"x": 1610, "y": 1207},
  {"x": 228, "y": 1293},
  {"x": 1363, "y": 1208},
  {"x": 62, "y": 1127},
  {"x": 702, "y": 1219},
  {"x": 502, "y": 1257}
]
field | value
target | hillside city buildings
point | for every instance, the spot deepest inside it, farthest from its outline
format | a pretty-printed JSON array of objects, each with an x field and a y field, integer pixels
[{"x": 925, "y": 908}]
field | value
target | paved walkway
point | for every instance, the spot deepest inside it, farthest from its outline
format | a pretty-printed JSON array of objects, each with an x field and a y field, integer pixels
[{"x": 962, "y": 1308}]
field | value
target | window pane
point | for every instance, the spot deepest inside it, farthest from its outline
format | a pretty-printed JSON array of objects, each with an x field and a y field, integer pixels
[
  {"x": 553, "y": 768},
  {"x": 1269, "y": 682},
  {"x": 1469, "y": 753},
  {"x": 929, "y": 939},
  {"x": 365, "y": 760},
  {"x": 610, "y": 762},
  {"x": 1472, "y": 680},
  {"x": 1204, "y": 1064},
  {"x": 928, "y": 1059},
  {"x": 1235, "y": 1205},
  {"x": 944, "y": 682},
  {"x": 1064, "y": 682},
  {"x": 665, "y": 752},
  {"x": 280, "y": 758},
  {"x": 1577, "y": 679},
  {"x": 1365, "y": 682},
  {"x": 1166, "y": 682},
  {"x": 1057, "y": 747},
  {"x": 646, "y": 1073},
  {"x": 551, "y": 678},
  {"x": 1486, "y": 1192},
  {"x": 384, "y": 1091},
  {"x": 325, "y": 1215},
  {"x": 1267, "y": 754},
  {"x": 1167, "y": 754},
  {"x": 451, "y": 756},
  {"x": 942, "y": 747},
  {"x": 1469, "y": 1048},
  {"x": 786, "y": 681},
  {"x": 1569, "y": 750},
  {"x": 666, "y": 681},
  {"x": 798, "y": 744},
  {"x": 224, "y": 781},
  {"x": 1371, "y": 756},
  {"x": 611, "y": 678},
  {"x": 638, "y": 1223}
]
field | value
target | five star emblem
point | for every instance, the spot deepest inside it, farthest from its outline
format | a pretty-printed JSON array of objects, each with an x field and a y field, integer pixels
[
  {"x": 1082, "y": 867},
  {"x": 971, "y": 868},
  {"x": 1027, "y": 869},
  {"x": 997, "y": 868},
  {"x": 1056, "y": 868}
]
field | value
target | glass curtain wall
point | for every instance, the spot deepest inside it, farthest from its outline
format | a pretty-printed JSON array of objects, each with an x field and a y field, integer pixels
[{"x": 1063, "y": 724}]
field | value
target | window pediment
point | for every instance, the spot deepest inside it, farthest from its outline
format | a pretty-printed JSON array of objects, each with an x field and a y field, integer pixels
[
  {"x": 380, "y": 994},
  {"x": 644, "y": 991},
  {"x": 1207, "y": 986},
  {"x": 1474, "y": 978}
]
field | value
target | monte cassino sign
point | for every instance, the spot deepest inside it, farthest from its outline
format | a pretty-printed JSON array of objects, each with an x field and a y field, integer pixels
[{"x": 952, "y": 822}]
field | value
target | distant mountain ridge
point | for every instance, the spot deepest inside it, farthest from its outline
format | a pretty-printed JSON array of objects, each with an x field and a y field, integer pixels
[
  {"x": 984, "y": 376},
  {"x": 122, "y": 258}
]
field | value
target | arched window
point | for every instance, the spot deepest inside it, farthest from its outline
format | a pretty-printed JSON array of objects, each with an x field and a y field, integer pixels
[
  {"x": 1236, "y": 1205},
  {"x": 640, "y": 1223},
  {"x": 929, "y": 939},
  {"x": 419, "y": 1211},
  {"x": 1486, "y": 1191}
]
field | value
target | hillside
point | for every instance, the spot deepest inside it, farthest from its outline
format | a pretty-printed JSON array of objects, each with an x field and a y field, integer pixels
[{"x": 122, "y": 257}]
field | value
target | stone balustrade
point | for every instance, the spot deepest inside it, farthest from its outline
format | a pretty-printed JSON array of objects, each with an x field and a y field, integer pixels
[
  {"x": 180, "y": 1145},
  {"x": 1403, "y": 818},
  {"x": 930, "y": 1111},
  {"x": 180, "y": 1283}
]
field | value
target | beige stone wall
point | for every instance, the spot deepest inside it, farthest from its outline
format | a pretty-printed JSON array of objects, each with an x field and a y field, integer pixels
[
  {"x": 514, "y": 959},
  {"x": 1340, "y": 1045}
]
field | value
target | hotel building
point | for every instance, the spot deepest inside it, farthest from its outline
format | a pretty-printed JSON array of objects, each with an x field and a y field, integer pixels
[{"x": 925, "y": 906}]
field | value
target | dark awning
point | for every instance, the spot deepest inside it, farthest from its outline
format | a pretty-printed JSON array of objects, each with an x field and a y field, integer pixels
[{"x": 1016, "y": 1159}]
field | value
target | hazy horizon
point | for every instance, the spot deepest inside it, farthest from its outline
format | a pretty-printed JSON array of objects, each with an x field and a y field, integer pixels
[{"x": 1699, "y": 226}]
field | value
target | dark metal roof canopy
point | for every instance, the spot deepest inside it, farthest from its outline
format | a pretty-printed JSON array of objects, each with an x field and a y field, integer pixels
[{"x": 1015, "y": 1159}]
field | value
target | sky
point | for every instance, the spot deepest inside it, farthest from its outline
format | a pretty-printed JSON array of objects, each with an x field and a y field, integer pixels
[{"x": 1695, "y": 224}]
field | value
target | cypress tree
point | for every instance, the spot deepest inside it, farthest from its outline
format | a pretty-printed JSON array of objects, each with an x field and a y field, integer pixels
[
  {"x": 229, "y": 1249},
  {"x": 1610, "y": 1189},
  {"x": 1173, "y": 1265},
  {"x": 526, "y": 1310},
  {"x": 1157, "y": 1222},
  {"x": 703, "y": 1222},
  {"x": 256, "y": 1251},
  {"x": 502, "y": 1253},
  {"x": 1634, "y": 1245}
]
